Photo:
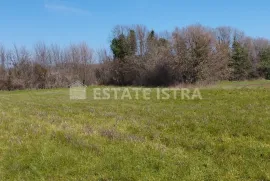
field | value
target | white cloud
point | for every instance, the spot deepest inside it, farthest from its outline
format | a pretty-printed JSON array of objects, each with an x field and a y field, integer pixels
[{"x": 64, "y": 8}]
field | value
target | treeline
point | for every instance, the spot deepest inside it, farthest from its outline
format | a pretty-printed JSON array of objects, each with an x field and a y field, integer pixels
[
  {"x": 139, "y": 56},
  {"x": 187, "y": 55},
  {"x": 45, "y": 66}
]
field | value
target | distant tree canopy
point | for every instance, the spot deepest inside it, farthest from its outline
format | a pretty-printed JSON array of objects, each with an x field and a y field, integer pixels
[
  {"x": 188, "y": 55},
  {"x": 45, "y": 66},
  {"x": 122, "y": 45},
  {"x": 141, "y": 57}
]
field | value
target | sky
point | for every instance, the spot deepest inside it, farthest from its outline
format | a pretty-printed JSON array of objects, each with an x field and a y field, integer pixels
[{"x": 26, "y": 22}]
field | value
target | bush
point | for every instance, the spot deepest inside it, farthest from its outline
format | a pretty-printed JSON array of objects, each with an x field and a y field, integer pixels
[
  {"x": 3, "y": 85},
  {"x": 264, "y": 72},
  {"x": 40, "y": 74},
  {"x": 267, "y": 73}
]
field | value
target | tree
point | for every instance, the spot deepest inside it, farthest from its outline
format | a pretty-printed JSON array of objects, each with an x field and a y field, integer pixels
[
  {"x": 249, "y": 46},
  {"x": 264, "y": 67},
  {"x": 222, "y": 53},
  {"x": 199, "y": 42},
  {"x": 141, "y": 32},
  {"x": 118, "y": 47},
  {"x": 3, "y": 62},
  {"x": 132, "y": 43},
  {"x": 151, "y": 41},
  {"x": 240, "y": 63}
]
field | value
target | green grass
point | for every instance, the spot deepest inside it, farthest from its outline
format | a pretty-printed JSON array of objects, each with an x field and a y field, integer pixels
[{"x": 224, "y": 136}]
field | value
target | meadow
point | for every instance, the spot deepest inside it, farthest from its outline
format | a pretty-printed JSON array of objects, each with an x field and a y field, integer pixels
[{"x": 224, "y": 136}]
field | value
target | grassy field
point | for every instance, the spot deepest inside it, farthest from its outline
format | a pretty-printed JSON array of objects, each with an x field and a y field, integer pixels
[{"x": 225, "y": 136}]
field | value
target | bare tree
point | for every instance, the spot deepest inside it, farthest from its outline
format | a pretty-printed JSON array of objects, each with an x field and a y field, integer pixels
[
  {"x": 3, "y": 62},
  {"x": 222, "y": 54},
  {"x": 141, "y": 32},
  {"x": 180, "y": 64},
  {"x": 199, "y": 41},
  {"x": 42, "y": 54},
  {"x": 86, "y": 60}
]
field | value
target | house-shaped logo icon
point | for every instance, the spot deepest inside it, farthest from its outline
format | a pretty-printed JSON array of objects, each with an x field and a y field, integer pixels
[{"x": 77, "y": 91}]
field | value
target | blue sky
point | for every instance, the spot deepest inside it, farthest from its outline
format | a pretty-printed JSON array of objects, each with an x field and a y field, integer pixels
[{"x": 64, "y": 22}]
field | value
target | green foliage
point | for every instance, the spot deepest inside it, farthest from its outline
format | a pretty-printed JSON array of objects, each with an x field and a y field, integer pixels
[
  {"x": 124, "y": 49},
  {"x": 123, "y": 46},
  {"x": 264, "y": 68},
  {"x": 240, "y": 63},
  {"x": 151, "y": 34},
  {"x": 118, "y": 47}
]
